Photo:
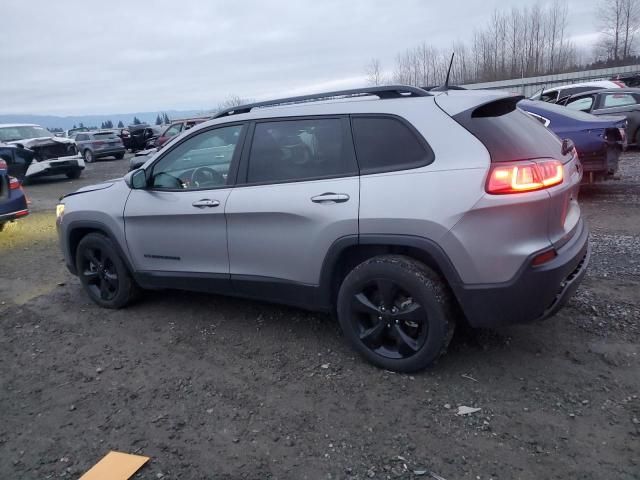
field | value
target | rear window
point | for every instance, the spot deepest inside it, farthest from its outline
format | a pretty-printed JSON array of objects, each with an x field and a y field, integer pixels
[
  {"x": 385, "y": 144},
  {"x": 103, "y": 135},
  {"x": 509, "y": 133}
]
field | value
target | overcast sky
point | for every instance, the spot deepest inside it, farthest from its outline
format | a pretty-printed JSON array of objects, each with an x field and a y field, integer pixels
[{"x": 79, "y": 57}]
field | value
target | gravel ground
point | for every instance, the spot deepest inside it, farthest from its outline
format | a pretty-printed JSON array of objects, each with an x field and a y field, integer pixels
[{"x": 212, "y": 387}]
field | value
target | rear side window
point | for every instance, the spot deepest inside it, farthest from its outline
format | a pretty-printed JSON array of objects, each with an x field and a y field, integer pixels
[
  {"x": 103, "y": 135},
  {"x": 385, "y": 144},
  {"x": 618, "y": 100},
  {"x": 508, "y": 133},
  {"x": 304, "y": 149}
]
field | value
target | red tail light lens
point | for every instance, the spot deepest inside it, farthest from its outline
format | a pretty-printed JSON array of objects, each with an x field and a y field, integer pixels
[
  {"x": 3, "y": 165},
  {"x": 14, "y": 184},
  {"x": 524, "y": 176}
]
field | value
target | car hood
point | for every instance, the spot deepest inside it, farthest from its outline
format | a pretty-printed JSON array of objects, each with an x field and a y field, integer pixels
[
  {"x": 93, "y": 188},
  {"x": 41, "y": 141}
]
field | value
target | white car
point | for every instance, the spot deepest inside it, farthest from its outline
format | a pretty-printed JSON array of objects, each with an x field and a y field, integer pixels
[
  {"x": 48, "y": 154},
  {"x": 553, "y": 95}
]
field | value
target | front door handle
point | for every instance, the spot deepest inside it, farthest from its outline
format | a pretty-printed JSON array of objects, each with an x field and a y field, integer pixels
[
  {"x": 330, "y": 197},
  {"x": 206, "y": 202}
]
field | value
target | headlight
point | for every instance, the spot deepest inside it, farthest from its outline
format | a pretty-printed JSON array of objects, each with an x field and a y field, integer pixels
[{"x": 59, "y": 210}]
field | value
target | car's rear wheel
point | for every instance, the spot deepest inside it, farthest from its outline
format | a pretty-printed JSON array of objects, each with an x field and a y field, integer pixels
[
  {"x": 396, "y": 312},
  {"x": 103, "y": 273},
  {"x": 88, "y": 156},
  {"x": 74, "y": 174},
  {"x": 119, "y": 156}
]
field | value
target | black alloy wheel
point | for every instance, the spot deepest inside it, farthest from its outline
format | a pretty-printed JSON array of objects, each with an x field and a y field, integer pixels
[
  {"x": 388, "y": 319},
  {"x": 99, "y": 273}
]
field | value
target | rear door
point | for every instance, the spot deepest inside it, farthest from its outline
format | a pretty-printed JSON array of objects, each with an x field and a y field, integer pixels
[{"x": 298, "y": 193}]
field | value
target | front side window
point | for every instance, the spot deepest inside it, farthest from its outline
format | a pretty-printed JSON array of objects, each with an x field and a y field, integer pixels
[
  {"x": 173, "y": 130},
  {"x": 618, "y": 100},
  {"x": 384, "y": 144},
  {"x": 583, "y": 104},
  {"x": 200, "y": 162},
  {"x": 295, "y": 150}
]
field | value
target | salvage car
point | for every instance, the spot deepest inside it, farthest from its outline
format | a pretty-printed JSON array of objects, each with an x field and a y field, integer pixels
[
  {"x": 599, "y": 141},
  {"x": 177, "y": 127},
  {"x": 51, "y": 155},
  {"x": 139, "y": 135},
  {"x": 611, "y": 102},
  {"x": 95, "y": 145},
  {"x": 404, "y": 215},
  {"x": 13, "y": 202},
  {"x": 556, "y": 94}
]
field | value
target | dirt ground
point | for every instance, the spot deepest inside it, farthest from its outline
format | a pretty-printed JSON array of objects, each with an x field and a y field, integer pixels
[{"x": 218, "y": 388}]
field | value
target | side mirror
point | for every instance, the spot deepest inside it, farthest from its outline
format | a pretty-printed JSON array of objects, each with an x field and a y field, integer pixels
[{"x": 137, "y": 179}]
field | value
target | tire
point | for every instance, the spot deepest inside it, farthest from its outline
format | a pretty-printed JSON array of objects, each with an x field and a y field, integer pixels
[
  {"x": 102, "y": 272},
  {"x": 88, "y": 156},
  {"x": 1, "y": 226},
  {"x": 420, "y": 329},
  {"x": 74, "y": 174},
  {"x": 119, "y": 156}
]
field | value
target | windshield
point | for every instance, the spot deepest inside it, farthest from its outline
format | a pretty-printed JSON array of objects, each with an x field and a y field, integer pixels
[{"x": 20, "y": 132}]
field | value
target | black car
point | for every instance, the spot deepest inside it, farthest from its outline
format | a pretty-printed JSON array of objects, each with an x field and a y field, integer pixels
[
  {"x": 615, "y": 101},
  {"x": 17, "y": 159},
  {"x": 139, "y": 136}
]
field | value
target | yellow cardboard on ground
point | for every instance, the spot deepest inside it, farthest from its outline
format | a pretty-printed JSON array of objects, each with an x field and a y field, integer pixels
[{"x": 115, "y": 466}]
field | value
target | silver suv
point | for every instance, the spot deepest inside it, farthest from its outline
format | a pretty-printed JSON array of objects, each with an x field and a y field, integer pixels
[{"x": 402, "y": 211}]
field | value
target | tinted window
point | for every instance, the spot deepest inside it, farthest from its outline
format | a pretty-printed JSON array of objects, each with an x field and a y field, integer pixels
[
  {"x": 300, "y": 149},
  {"x": 618, "y": 100},
  {"x": 81, "y": 137},
  {"x": 583, "y": 104},
  {"x": 103, "y": 135},
  {"x": 508, "y": 133},
  {"x": 202, "y": 161},
  {"x": 385, "y": 143}
]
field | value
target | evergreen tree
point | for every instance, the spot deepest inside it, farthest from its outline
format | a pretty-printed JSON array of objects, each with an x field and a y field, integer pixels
[
  {"x": 120, "y": 124},
  {"x": 158, "y": 120},
  {"x": 166, "y": 118},
  {"x": 74, "y": 126},
  {"x": 136, "y": 121},
  {"x": 81, "y": 125}
]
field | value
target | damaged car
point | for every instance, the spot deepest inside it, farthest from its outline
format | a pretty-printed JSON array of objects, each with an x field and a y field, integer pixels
[
  {"x": 599, "y": 141},
  {"x": 46, "y": 153}
]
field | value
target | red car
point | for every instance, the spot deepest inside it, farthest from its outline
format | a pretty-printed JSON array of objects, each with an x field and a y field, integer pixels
[{"x": 176, "y": 128}]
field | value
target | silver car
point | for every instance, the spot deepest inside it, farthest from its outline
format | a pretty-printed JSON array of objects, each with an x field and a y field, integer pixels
[
  {"x": 404, "y": 212},
  {"x": 95, "y": 145}
]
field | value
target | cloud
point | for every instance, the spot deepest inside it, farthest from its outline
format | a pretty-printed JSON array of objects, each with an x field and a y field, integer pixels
[{"x": 75, "y": 57}]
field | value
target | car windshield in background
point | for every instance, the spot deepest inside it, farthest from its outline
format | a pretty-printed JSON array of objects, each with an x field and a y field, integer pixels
[
  {"x": 9, "y": 134},
  {"x": 103, "y": 135}
]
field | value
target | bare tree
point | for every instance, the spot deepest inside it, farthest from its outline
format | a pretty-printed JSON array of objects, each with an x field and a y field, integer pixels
[
  {"x": 619, "y": 22},
  {"x": 374, "y": 72},
  {"x": 232, "y": 101}
]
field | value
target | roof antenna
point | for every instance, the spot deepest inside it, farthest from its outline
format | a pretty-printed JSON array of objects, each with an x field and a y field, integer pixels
[{"x": 445, "y": 87}]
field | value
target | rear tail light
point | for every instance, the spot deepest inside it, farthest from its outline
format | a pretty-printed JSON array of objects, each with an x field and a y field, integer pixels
[
  {"x": 3, "y": 165},
  {"x": 524, "y": 176},
  {"x": 14, "y": 183}
]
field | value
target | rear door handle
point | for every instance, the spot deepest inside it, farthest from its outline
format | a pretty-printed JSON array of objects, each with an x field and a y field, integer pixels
[
  {"x": 206, "y": 202},
  {"x": 330, "y": 197}
]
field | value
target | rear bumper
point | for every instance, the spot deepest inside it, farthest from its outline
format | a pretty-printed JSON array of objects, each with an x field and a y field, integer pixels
[
  {"x": 108, "y": 152},
  {"x": 7, "y": 217},
  {"x": 535, "y": 293}
]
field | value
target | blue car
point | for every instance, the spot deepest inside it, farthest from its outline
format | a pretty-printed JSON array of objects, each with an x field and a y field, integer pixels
[
  {"x": 599, "y": 140},
  {"x": 13, "y": 202}
]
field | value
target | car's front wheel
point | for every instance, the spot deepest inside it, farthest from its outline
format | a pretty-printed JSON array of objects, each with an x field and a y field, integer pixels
[
  {"x": 119, "y": 156},
  {"x": 74, "y": 174},
  {"x": 88, "y": 156},
  {"x": 103, "y": 273},
  {"x": 396, "y": 312}
]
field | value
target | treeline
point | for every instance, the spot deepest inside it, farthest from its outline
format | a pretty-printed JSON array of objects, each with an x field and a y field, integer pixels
[{"x": 520, "y": 42}]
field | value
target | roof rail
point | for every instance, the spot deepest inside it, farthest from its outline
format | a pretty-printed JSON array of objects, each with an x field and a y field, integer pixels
[{"x": 389, "y": 91}]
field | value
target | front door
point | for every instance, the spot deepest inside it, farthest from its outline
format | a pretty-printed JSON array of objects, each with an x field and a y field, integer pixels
[
  {"x": 297, "y": 193},
  {"x": 177, "y": 224}
]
